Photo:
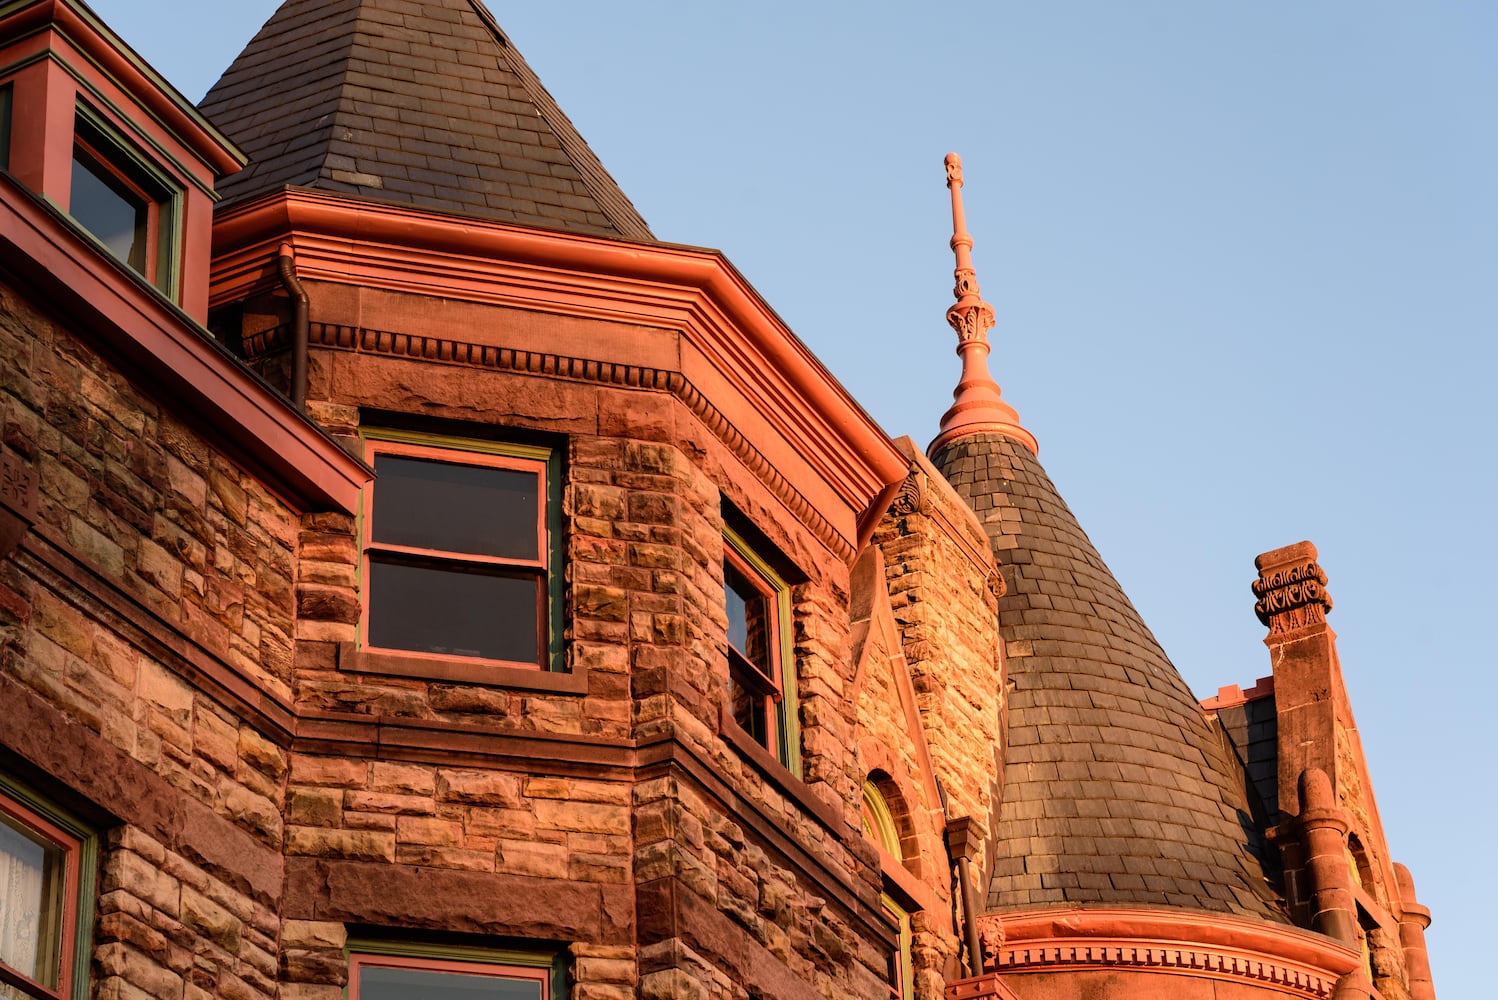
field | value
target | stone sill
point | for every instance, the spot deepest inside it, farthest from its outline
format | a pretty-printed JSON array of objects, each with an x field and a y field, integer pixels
[
  {"x": 776, "y": 773},
  {"x": 459, "y": 670}
]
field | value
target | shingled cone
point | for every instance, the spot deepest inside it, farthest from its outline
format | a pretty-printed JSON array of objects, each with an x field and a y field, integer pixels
[
  {"x": 434, "y": 109},
  {"x": 1111, "y": 773}
]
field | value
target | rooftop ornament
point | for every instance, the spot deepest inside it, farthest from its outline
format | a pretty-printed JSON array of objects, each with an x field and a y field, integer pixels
[{"x": 978, "y": 406}]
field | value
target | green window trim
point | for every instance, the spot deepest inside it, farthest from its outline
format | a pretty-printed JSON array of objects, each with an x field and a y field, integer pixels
[
  {"x": 474, "y": 955},
  {"x": 787, "y": 713},
  {"x": 879, "y": 821},
  {"x": 79, "y": 909},
  {"x": 103, "y": 142},
  {"x": 902, "y": 976},
  {"x": 551, "y": 458}
]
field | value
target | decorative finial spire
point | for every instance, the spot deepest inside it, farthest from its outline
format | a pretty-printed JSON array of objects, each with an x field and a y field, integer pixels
[{"x": 977, "y": 403}]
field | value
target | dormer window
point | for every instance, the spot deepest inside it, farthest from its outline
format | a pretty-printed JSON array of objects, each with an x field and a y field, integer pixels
[
  {"x": 122, "y": 201},
  {"x": 106, "y": 204}
]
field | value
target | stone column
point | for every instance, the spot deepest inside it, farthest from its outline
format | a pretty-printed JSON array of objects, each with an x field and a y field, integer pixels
[
  {"x": 1323, "y": 829},
  {"x": 1413, "y": 919}
]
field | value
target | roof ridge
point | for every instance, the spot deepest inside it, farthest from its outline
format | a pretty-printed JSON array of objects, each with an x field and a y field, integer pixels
[
  {"x": 428, "y": 105},
  {"x": 605, "y": 190}
]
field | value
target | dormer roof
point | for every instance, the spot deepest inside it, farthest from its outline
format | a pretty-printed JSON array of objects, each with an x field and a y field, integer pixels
[{"x": 426, "y": 105}]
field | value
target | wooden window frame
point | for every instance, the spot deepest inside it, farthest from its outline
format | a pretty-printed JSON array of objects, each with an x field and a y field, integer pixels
[
  {"x": 79, "y": 847},
  {"x": 472, "y": 962},
  {"x": 88, "y": 153},
  {"x": 879, "y": 826},
  {"x": 103, "y": 145},
  {"x": 775, "y": 688},
  {"x": 6, "y": 113},
  {"x": 546, "y": 567}
]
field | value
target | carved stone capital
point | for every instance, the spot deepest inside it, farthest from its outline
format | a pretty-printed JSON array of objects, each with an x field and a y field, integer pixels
[
  {"x": 971, "y": 320},
  {"x": 1291, "y": 589}
]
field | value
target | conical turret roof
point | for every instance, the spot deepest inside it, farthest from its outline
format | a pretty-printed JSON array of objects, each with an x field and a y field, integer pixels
[
  {"x": 1115, "y": 791},
  {"x": 426, "y": 104}
]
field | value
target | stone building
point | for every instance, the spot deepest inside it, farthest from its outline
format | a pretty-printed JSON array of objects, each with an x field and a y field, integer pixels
[{"x": 416, "y": 578}]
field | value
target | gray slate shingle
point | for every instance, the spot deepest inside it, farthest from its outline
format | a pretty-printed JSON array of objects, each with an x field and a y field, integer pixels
[
  {"x": 424, "y": 103},
  {"x": 1115, "y": 789}
]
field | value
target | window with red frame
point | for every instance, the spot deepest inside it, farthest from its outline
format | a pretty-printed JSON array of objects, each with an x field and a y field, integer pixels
[
  {"x": 397, "y": 977},
  {"x": 457, "y": 552},
  {"x": 761, "y": 676},
  {"x": 44, "y": 867}
]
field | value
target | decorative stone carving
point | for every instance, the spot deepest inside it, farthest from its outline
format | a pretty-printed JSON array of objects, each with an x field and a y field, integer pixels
[
  {"x": 1291, "y": 589},
  {"x": 910, "y": 498},
  {"x": 18, "y": 493},
  {"x": 1293, "y": 962},
  {"x": 370, "y": 341},
  {"x": 991, "y": 933}
]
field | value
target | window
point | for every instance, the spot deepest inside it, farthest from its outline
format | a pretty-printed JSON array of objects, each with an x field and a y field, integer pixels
[
  {"x": 429, "y": 973},
  {"x": 761, "y": 674},
  {"x": 5, "y": 100},
  {"x": 46, "y": 866},
  {"x": 459, "y": 544},
  {"x": 879, "y": 826},
  {"x": 123, "y": 201}
]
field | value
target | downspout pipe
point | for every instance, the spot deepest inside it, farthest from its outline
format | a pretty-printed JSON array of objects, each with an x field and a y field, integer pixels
[
  {"x": 962, "y": 843},
  {"x": 286, "y": 264}
]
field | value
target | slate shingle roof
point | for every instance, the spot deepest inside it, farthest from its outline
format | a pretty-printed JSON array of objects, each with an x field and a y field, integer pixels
[
  {"x": 1115, "y": 789},
  {"x": 424, "y": 102}
]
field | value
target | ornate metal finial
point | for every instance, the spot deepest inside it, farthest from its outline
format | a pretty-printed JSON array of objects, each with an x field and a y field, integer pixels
[
  {"x": 1291, "y": 589},
  {"x": 977, "y": 404}
]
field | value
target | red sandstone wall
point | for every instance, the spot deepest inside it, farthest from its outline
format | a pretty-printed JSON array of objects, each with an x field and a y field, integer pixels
[
  {"x": 146, "y": 622},
  {"x": 730, "y": 877}
]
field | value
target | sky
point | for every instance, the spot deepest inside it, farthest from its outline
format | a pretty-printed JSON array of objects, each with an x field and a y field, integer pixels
[{"x": 1242, "y": 258}]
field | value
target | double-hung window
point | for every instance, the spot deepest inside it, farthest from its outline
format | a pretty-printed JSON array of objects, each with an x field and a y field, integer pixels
[
  {"x": 761, "y": 673},
  {"x": 458, "y": 544},
  {"x": 46, "y": 868}
]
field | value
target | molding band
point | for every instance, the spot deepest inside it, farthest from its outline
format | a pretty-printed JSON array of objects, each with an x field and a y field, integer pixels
[{"x": 368, "y": 341}]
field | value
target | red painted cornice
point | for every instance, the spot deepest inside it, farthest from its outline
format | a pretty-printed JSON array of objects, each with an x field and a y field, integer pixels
[
  {"x": 694, "y": 291},
  {"x": 104, "y": 48},
  {"x": 114, "y": 311},
  {"x": 1210, "y": 945}
]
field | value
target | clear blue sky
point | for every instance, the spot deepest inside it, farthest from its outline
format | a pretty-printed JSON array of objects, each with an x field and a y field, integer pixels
[{"x": 1243, "y": 259}]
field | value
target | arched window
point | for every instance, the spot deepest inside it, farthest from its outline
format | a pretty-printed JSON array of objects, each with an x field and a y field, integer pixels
[{"x": 879, "y": 826}]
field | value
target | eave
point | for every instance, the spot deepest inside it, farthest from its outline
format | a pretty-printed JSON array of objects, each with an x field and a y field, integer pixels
[
  {"x": 127, "y": 70},
  {"x": 114, "y": 311},
  {"x": 747, "y": 360}
]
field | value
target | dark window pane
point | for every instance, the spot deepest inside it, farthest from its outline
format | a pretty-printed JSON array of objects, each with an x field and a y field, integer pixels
[
  {"x": 751, "y": 709},
  {"x": 454, "y": 612},
  {"x": 749, "y": 611},
  {"x": 106, "y": 207},
  {"x": 422, "y": 984},
  {"x": 31, "y": 901},
  {"x": 5, "y": 128},
  {"x": 456, "y": 508}
]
